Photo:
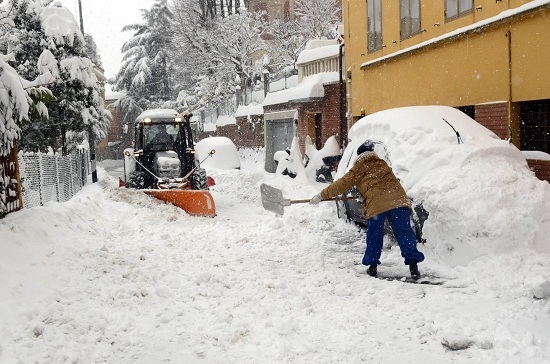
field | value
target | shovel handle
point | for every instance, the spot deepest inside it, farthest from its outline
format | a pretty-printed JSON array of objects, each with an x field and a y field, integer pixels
[{"x": 328, "y": 199}]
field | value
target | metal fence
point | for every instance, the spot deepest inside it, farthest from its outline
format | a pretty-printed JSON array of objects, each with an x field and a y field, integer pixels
[{"x": 46, "y": 178}]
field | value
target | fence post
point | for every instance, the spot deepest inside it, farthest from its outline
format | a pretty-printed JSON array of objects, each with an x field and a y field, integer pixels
[
  {"x": 41, "y": 179},
  {"x": 19, "y": 190},
  {"x": 57, "y": 179}
]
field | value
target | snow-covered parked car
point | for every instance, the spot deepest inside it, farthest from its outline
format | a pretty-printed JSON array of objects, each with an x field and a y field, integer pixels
[
  {"x": 226, "y": 155},
  {"x": 449, "y": 164}
]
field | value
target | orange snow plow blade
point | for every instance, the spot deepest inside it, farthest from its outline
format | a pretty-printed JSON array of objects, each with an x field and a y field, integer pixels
[{"x": 194, "y": 202}]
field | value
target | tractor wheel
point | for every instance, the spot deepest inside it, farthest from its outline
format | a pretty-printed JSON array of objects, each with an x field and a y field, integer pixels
[
  {"x": 199, "y": 180},
  {"x": 136, "y": 180}
]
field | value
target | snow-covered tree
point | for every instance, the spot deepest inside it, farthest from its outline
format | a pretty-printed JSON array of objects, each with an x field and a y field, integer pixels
[
  {"x": 91, "y": 51},
  {"x": 48, "y": 48},
  {"x": 145, "y": 73},
  {"x": 78, "y": 106},
  {"x": 215, "y": 51},
  {"x": 287, "y": 40},
  {"x": 318, "y": 19},
  {"x": 212, "y": 9}
]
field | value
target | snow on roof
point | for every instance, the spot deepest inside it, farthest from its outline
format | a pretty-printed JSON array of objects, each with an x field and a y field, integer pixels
[
  {"x": 157, "y": 113},
  {"x": 317, "y": 43},
  {"x": 207, "y": 127},
  {"x": 310, "y": 87},
  {"x": 536, "y": 155},
  {"x": 112, "y": 95},
  {"x": 60, "y": 24},
  {"x": 226, "y": 120},
  {"x": 246, "y": 110},
  {"x": 504, "y": 15},
  {"x": 309, "y": 55}
]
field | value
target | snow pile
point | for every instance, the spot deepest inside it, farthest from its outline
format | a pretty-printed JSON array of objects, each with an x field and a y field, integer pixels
[{"x": 225, "y": 154}]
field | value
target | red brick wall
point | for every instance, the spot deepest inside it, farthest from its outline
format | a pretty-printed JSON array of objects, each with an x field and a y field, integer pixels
[
  {"x": 331, "y": 112},
  {"x": 250, "y": 133},
  {"x": 541, "y": 168},
  {"x": 328, "y": 107},
  {"x": 305, "y": 108},
  {"x": 114, "y": 134},
  {"x": 245, "y": 133},
  {"x": 230, "y": 131},
  {"x": 494, "y": 117}
]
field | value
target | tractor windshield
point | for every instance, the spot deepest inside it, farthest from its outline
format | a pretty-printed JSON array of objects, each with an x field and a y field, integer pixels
[{"x": 160, "y": 136}]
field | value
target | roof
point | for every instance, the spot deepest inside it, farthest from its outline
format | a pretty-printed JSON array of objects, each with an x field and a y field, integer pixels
[
  {"x": 246, "y": 110},
  {"x": 311, "y": 87},
  {"x": 324, "y": 52}
]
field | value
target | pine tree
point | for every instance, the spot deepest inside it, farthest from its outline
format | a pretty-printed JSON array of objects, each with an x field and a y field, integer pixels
[
  {"x": 24, "y": 40},
  {"x": 90, "y": 50},
  {"x": 45, "y": 54},
  {"x": 145, "y": 73},
  {"x": 78, "y": 106}
]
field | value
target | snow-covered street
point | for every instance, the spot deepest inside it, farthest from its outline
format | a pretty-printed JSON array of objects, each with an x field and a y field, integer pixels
[{"x": 115, "y": 276}]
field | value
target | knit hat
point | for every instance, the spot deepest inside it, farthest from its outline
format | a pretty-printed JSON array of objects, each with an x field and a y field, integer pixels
[{"x": 367, "y": 146}]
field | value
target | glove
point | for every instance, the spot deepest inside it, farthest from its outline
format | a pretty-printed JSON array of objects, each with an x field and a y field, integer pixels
[{"x": 315, "y": 199}]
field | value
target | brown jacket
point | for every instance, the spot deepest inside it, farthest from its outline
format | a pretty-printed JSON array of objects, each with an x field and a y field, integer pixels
[{"x": 375, "y": 180}]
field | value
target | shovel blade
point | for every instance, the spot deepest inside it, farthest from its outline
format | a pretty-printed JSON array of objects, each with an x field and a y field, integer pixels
[{"x": 272, "y": 199}]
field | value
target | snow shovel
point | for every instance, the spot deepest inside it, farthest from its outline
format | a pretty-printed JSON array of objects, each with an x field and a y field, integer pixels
[{"x": 272, "y": 199}]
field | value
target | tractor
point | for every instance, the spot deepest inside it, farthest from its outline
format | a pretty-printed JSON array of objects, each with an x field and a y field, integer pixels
[{"x": 163, "y": 164}]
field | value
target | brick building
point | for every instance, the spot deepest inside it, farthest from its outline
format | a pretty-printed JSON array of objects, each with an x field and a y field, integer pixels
[
  {"x": 113, "y": 145},
  {"x": 275, "y": 9},
  {"x": 312, "y": 108}
]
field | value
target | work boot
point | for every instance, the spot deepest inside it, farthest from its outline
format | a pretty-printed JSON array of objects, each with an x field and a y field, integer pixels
[
  {"x": 372, "y": 270},
  {"x": 415, "y": 274}
]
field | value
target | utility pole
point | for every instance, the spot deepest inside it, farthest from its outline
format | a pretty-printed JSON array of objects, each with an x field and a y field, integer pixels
[{"x": 91, "y": 139}]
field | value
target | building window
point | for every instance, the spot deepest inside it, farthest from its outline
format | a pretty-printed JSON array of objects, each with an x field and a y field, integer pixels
[
  {"x": 535, "y": 125},
  {"x": 374, "y": 25},
  {"x": 410, "y": 18},
  {"x": 457, "y": 8}
]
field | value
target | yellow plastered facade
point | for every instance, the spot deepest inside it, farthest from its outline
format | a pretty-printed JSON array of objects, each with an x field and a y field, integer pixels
[{"x": 498, "y": 52}]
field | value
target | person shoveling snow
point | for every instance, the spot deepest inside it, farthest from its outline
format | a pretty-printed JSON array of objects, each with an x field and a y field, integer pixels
[{"x": 384, "y": 197}]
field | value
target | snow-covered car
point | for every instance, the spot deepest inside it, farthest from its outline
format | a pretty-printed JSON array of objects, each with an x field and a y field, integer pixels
[
  {"x": 226, "y": 155},
  {"x": 433, "y": 150}
]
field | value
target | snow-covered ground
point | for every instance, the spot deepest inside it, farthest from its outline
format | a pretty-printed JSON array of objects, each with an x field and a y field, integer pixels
[{"x": 115, "y": 276}]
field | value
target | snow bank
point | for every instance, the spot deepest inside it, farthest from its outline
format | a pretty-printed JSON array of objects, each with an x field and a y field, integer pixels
[{"x": 225, "y": 156}]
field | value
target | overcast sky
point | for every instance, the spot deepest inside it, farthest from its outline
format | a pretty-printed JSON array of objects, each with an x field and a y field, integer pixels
[{"x": 104, "y": 20}]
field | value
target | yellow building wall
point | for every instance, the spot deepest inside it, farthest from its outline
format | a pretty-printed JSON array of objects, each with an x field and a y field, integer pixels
[
  {"x": 531, "y": 58},
  {"x": 468, "y": 70}
]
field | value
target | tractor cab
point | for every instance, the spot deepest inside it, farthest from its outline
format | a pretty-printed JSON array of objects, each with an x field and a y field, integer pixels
[{"x": 163, "y": 150}]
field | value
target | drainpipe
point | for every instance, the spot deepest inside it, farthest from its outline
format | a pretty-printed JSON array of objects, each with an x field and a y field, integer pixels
[
  {"x": 342, "y": 99},
  {"x": 509, "y": 36}
]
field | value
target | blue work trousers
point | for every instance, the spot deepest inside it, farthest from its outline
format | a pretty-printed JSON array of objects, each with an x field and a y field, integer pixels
[{"x": 400, "y": 221}]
